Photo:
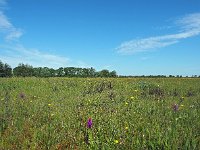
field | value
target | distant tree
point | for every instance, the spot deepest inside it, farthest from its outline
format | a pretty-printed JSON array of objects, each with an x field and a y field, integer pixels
[
  {"x": 2, "y": 73},
  {"x": 92, "y": 72},
  {"x": 104, "y": 73},
  {"x": 52, "y": 72},
  {"x": 78, "y": 72},
  {"x": 113, "y": 74},
  {"x": 85, "y": 72},
  {"x": 69, "y": 71},
  {"x": 37, "y": 71},
  {"x": 60, "y": 72},
  {"x": 45, "y": 72},
  {"x": 23, "y": 70},
  {"x": 5, "y": 70},
  {"x": 171, "y": 76}
]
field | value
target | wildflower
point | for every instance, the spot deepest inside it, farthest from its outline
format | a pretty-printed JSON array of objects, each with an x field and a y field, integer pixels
[
  {"x": 52, "y": 115},
  {"x": 181, "y": 99},
  {"x": 49, "y": 104},
  {"x": 116, "y": 141},
  {"x": 175, "y": 107},
  {"x": 126, "y": 103},
  {"x": 132, "y": 97},
  {"x": 89, "y": 123},
  {"x": 126, "y": 128},
  {"x": 22, "y": 95},
  {"x": 136, "y": 90}
]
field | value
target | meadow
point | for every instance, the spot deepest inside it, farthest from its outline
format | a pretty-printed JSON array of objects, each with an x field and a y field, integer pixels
[{"x": 99, "y": 113}]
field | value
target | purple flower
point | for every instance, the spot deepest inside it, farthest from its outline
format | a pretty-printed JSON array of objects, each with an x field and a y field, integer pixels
[
  {"x": 89, "y": 123},
  {"x": 175, "y": 107}
]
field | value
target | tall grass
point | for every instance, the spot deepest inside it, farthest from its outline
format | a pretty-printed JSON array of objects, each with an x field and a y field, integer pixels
[{"x": 52, "y": 113}]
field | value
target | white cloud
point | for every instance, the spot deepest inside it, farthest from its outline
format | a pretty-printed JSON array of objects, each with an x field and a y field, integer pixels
[
  {"x": 8, "y": 29},
  {"x": 189, "y": 26},
  {"x": 14, "y": 55},
  {"x": 4, "y": 23},
  {"x": 15, "y": 34}
]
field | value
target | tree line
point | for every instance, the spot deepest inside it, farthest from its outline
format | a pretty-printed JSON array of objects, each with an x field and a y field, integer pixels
[{"x": 25, "y": 70}]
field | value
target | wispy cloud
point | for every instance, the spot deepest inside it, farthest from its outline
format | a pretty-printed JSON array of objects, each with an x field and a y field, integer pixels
[
  {"x": 19, "y": 54},
  {"x": 188, "y": 25},
  {"x": 14, "y": 52},
  {"x": 6, "y": 27}
]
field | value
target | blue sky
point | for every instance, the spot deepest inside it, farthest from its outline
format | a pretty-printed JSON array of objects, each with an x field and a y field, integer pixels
[{"x": 133, "y": 37}]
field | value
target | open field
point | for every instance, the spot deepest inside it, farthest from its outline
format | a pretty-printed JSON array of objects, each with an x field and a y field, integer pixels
[{"x": 52, "y": 113}]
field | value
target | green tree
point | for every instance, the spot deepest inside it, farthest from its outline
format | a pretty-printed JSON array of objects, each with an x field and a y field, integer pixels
[
  {"x": 7, "y": 70},
  {"x": 113, "y": 74},
  {"x": 2, "y": 74},
  {"x": 60, "y": 72},
  {"x": 23, "y": 70},
  {"x": 104, "y": 73}
]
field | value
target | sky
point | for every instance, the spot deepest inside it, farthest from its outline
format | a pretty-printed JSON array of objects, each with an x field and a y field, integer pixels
[{"x": 132, "y": 37}]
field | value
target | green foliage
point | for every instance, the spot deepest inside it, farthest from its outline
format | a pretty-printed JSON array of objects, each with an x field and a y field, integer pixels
[
  {"x": 23, "y": 70},
  {"x": 5, "y": 70},
  {"x": 52, "y": 113}
]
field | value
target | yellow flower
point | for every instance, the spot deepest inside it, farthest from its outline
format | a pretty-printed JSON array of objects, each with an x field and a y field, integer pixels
[
  {"x": 126, "y": 103},
  {"x": 116, "y": 141},
  {"x": 132, "y": 97},
  {"x": 126, "y": 128},
  {"x": 49, "y": 104},
  {"x": 136, "y": 90},
  {"x": 182, "y": 105}
]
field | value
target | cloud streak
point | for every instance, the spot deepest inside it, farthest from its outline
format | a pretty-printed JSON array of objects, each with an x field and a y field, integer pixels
[
  {"x": 18, "y": 54},
  {"x": 189, "y": 26},
  {"x": 14, "y": 53},
  {"x": 7, "y": 28}
]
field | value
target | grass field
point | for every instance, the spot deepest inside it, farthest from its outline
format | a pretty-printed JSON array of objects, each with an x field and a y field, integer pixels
[{"x": 53, "y": 113}]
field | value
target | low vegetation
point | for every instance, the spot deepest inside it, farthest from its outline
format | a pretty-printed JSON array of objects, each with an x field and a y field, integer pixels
[{"x": 99, "y": 113}]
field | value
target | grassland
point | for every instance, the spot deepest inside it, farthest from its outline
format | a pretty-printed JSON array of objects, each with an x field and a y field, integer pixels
[{"x": 52, "y": 113}]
